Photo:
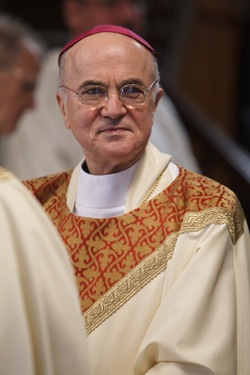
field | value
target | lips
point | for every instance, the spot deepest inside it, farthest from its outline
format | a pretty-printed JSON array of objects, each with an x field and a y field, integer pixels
[{"x": 113, "y": 130}]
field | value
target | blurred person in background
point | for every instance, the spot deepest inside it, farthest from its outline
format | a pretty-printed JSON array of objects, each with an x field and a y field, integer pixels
[
  {"x": 21, "y": 53},
  {"x": 42, "y": 145},
  {"x": 41, "y": 329}
]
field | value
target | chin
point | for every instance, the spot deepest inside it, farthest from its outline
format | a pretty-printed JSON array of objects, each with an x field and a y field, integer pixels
[
  {"x": 11, "y": 128},
  {"x": 8, "y": 129},
  {"x": 119, "y": 148}
]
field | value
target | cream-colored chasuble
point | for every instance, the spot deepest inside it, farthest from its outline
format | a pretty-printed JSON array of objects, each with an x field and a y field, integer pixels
[{"x": 164, "y": 288}]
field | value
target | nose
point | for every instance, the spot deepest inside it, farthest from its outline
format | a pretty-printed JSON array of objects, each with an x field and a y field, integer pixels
[{"x": 113, "y": 106}]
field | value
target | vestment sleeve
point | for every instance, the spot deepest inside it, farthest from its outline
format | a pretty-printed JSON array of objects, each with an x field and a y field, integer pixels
[{"x": 202, "y": 325}]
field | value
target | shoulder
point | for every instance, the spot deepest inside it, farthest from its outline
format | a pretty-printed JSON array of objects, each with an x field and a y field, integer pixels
[
  {"x": 11, "y": 187},
  {"x": 209, "y": 202},
  {"x": 5, "y": 175},
  {"x": 45, "y": 187},
  {"x": 17, "y": 205},
  {"x": 206, "y": 192}
]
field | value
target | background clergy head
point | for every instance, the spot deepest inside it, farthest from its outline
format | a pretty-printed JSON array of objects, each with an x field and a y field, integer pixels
[{"x": 21, "y": 52}]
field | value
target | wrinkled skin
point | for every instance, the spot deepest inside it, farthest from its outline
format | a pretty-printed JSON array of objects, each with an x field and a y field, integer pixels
[{"x": 112, "y": 137}]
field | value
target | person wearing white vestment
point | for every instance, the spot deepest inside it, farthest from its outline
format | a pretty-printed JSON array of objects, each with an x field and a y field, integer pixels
[
  {"x": 41, "y": 330},
  {"x": 161, "y": 254},
  {"x": 42, "y": 145}
]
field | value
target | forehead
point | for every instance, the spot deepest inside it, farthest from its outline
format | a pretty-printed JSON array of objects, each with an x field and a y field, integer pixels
[
  {"x": 109, "y": 53},
  {"x": 28, "y": 61}
]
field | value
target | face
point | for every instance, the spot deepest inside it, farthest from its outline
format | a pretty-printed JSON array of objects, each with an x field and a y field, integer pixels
[
  {"x": 81, "y": 16},
  {"x": 17, "y": 89},
  {"x": 112, "y": 136}
]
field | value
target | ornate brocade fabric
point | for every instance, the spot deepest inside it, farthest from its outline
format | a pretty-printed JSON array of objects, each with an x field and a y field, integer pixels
[{"x": 115, "y": 257}]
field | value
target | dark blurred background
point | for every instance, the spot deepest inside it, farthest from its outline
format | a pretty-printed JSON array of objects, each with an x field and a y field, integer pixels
[{"x": 204, "y": 57}]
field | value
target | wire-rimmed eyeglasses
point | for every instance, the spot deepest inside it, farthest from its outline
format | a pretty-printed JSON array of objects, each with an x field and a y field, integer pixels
[{"x": 131, "y": 95}]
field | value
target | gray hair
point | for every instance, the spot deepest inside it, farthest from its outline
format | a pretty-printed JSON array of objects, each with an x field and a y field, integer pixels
[{"x": 15, "y": 35}]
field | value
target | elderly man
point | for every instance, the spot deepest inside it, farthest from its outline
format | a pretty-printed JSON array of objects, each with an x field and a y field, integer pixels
[
  {"x": 42, "y": 145},
  {"x": 161, "y": 254},
  {"x": 41, "y": 330}
]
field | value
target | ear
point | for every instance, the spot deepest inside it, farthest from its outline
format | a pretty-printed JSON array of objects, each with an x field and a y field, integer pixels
[
  {"x": 62, "y": 105},
  {"x": 158, "y": 97}
]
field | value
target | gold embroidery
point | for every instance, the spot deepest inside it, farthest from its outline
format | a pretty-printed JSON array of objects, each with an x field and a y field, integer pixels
[
  {"x": 130, "y": 285},
  {"x": 4, "y": 174},
  {"x": 115, "y": 258},
  {"x": 153, "y": 188},
  {"x": 111, "y": 248},
  {"x": 195, "y": 221},
  {"x": 237, "y": 227}
]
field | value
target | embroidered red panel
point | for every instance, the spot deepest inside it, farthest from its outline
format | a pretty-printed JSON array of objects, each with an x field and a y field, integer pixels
[{"x": 103, "y": 251}]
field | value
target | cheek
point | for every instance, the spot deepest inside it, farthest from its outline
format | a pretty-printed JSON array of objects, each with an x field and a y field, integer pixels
[
  {"x": 71, "y": 113},
  {"x": 11, "y": 103},
  {"x": 11, "y": 96},
  {"x": 81, "y": 123},
  {"x": 152, "y": 108},
  {"x": 144, "y": 119}
]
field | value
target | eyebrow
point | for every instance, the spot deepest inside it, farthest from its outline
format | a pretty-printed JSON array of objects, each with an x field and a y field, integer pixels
[
  {"x": 121, "y": 84},
  {"x": 90, "y": 83},
  {"x": 133, "y": 81}
]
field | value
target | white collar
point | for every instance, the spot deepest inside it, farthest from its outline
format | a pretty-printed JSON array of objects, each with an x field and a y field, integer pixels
[
  {"x": 148, "y": 169},
  {"x": 103, "y": 196}
]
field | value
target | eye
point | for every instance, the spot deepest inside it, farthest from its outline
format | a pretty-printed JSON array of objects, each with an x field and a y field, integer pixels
[
  {"x": 28, "y": 87},
  {"x": 92, "y": 92},
  {"x": 132, "y": 91}
]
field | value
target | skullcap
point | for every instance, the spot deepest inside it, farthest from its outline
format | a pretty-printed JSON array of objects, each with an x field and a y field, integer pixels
[{"x": 110, "y": 29}]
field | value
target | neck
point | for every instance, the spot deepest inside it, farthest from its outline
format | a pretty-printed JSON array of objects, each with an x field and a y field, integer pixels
[
  {"x": 100, "y": 170},
  {"x": 109, "y": 165}
]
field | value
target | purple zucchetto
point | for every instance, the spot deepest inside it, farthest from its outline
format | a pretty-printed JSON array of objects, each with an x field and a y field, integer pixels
[{"x": 110, "y": 29}]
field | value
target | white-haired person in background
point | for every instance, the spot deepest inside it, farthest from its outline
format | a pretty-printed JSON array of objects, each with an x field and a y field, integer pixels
[
  {"x": 21, "y": 55},
  {"x": 41, "y": 329}
]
